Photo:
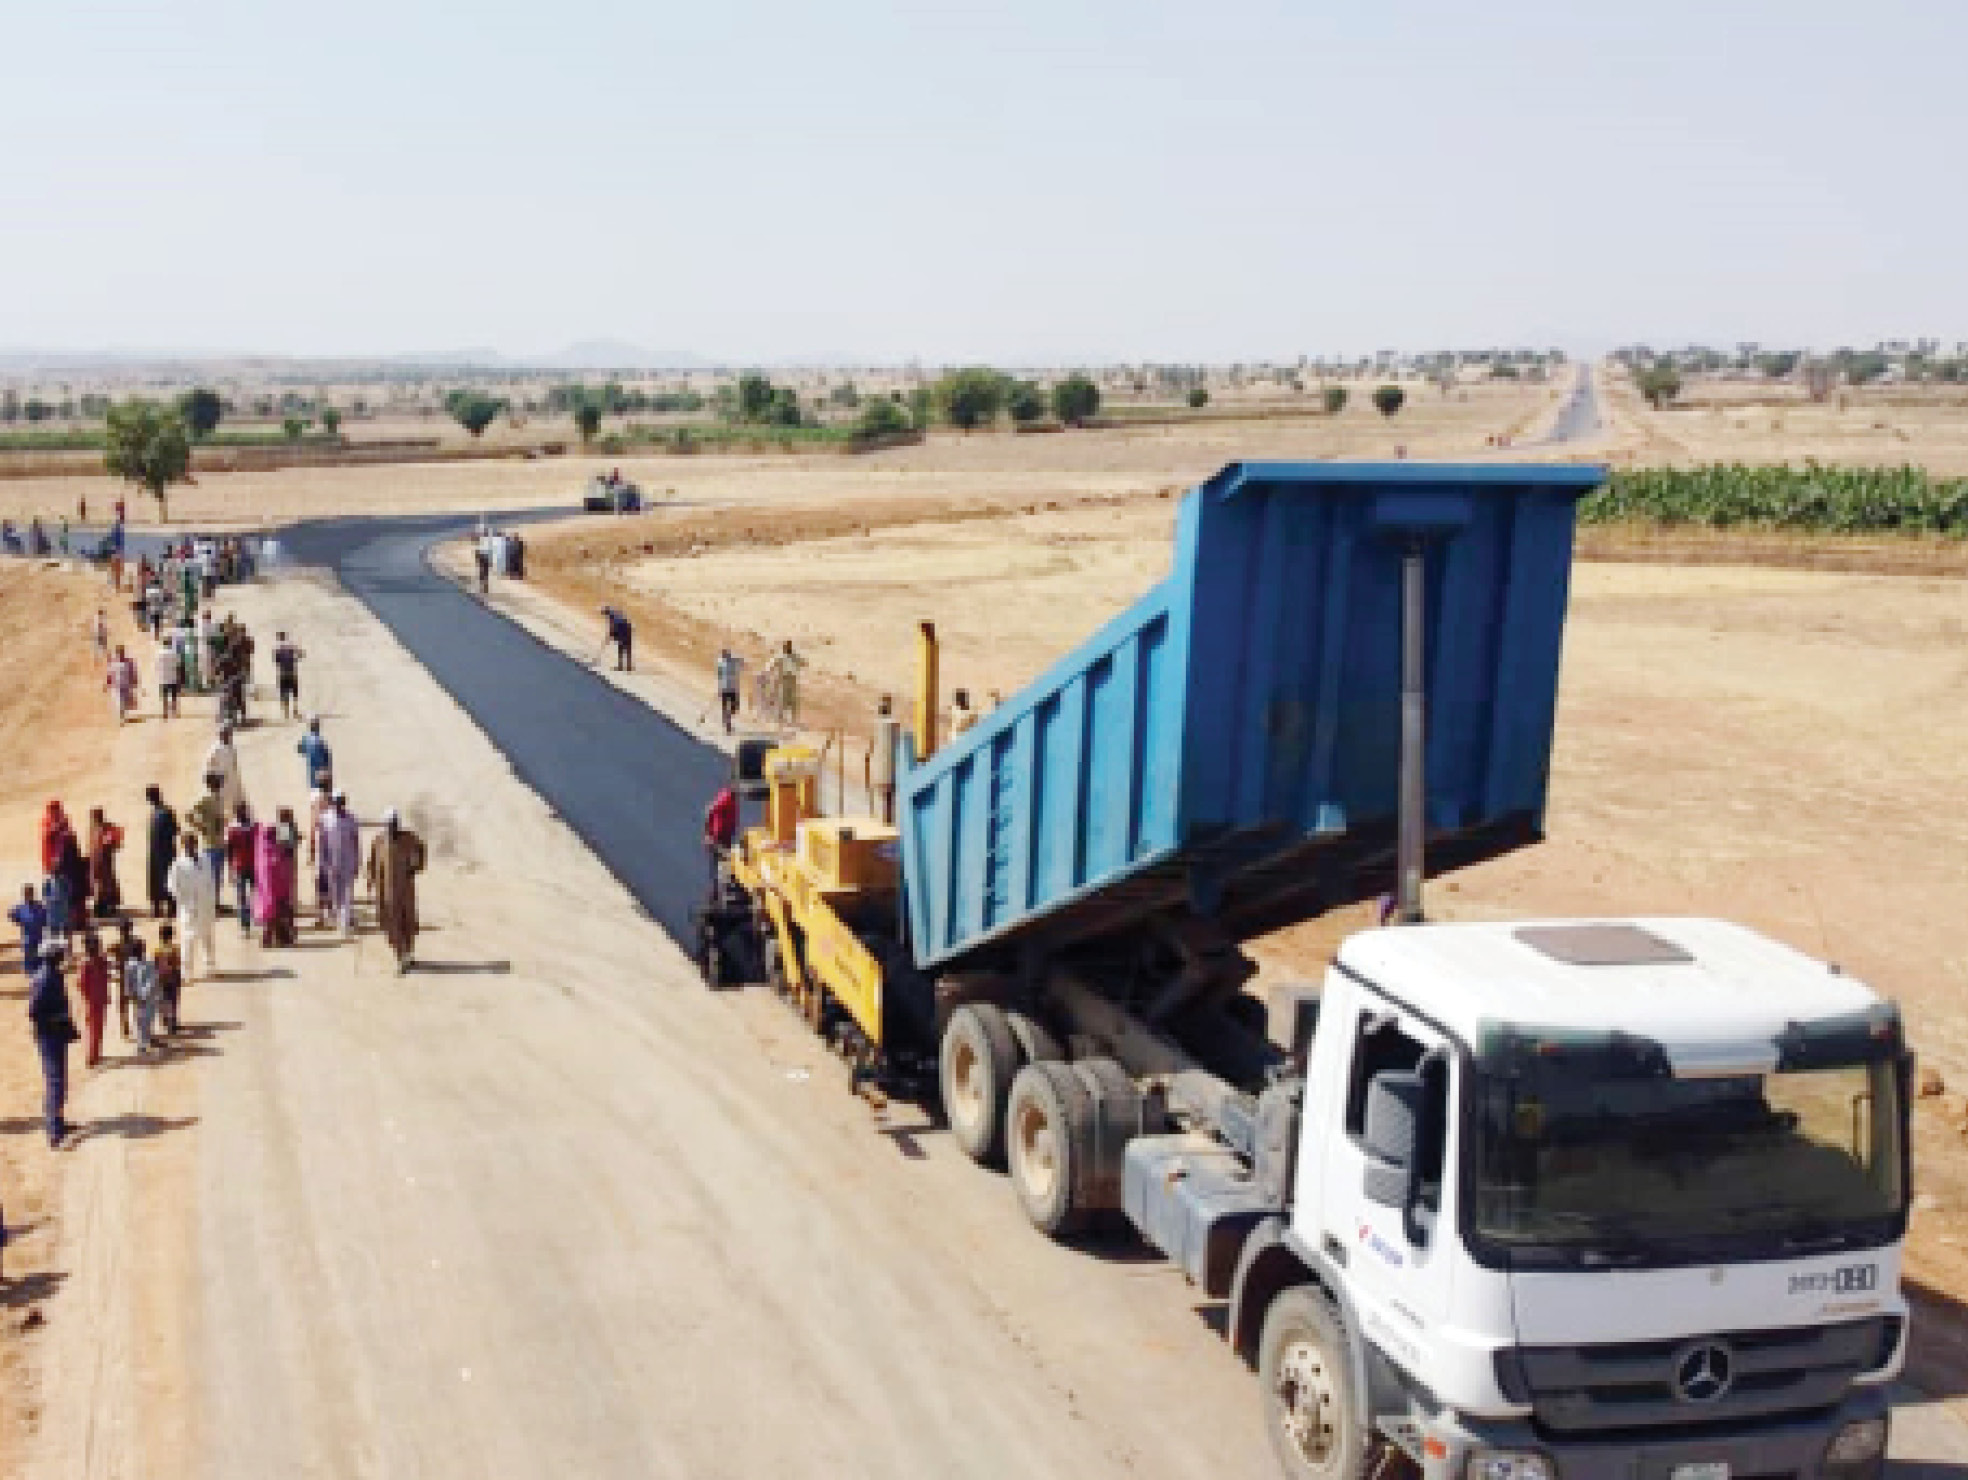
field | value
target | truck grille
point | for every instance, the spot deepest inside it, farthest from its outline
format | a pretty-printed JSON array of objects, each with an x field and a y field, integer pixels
[{"x": 1642, "y": 1384}]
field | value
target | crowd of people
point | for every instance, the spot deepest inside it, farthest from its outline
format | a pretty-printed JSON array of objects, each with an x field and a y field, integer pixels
[{"x": 217, "y": 855}]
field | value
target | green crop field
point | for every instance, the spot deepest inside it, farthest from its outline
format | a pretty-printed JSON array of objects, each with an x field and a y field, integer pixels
[
  {"x": 91, "y": 440},
  {"x": 1904, "y": 500}
]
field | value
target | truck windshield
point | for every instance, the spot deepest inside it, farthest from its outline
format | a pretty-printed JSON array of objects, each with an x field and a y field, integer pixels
[{"x": 1576, "y": 1156}]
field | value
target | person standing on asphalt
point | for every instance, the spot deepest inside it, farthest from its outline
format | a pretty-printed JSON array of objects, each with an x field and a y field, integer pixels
[
  {"x": 53, "y": 1024},
  {"x": 314, "y": 750},
  {"x": 191, "y": 885},
  {"x": 162, "y": 847},
  {"x": 720, "y": 829},
  {"x": 169, "y": 673},
  {"x": 208, "y": 822},
  {"x": 395, "y": 859},
  {"x": 482, "y": 552},
  {"x": 287, "y": 676},
  {"x": 729, "y": 668},
  {"x": 92, "y": 981},
  {"x": 339, "y": 842}
]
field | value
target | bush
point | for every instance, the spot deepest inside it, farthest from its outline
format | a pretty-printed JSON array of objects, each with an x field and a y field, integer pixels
[
  {"x": 1389, "y": 399},
  {"x": 971, "y": 398},
  {"x": 331, "y": 420},
  {"x": 1025, "y": 402},
  {"x": 1660, "y": 384},
  {"x": 1198, "y": 398},
  {"x": 1333, "y": 398},
  {"x": 881, "y": 417},
  {"x": 1075, "y": 399},
  {"x": 587, "y": 419}
]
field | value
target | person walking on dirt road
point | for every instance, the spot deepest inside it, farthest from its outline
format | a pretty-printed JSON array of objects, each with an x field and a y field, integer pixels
[
  {"x": 338, "y": 840},
  {"x": 120, "y": 678},
  {"x": 208, "y": 822},
  {"x": 222, "y": 761},
  {"x": 161, "y": 846},
  {"x": 191, "y": 885},
  {"x": 729, "y": 668},
  {"x": 622, "y": 634},
  {"x": 92, "y": 981},
  {"x": 287, "y": 677},
  {"x": 782, "y": 675},
  {"x": 53, "y": 1023},
  {"x": 395, "y": 859},
  {"x": 314, "y": 750},
  {"x": 169, "y": 674}
]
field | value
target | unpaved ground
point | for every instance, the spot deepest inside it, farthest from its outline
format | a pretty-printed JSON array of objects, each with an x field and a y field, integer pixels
[
  {"x": 947, "y": 466},
  {"x": 1773, "y": 744},
  {"x": 1751, "y": 422},
  {"x": 83, "y": 1216}
]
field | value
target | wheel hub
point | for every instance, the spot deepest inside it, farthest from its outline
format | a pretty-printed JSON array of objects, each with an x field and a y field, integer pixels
[
  {"x": 1307, "y": 1406},
  {"x": 966, "y": 1090},
  {"x": 1037, "y": 1152}
]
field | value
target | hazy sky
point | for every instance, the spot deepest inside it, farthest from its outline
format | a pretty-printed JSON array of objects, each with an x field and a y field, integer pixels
[{"x": 1023, "y": 180}]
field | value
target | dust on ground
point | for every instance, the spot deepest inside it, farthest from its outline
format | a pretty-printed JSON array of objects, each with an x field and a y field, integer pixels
[{"x": 1775, "y": 744}]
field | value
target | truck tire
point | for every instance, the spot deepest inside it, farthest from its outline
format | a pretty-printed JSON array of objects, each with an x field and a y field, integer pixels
[
  {"x": 1049, "y": 1136},
  {"x": 1305, "y": 1364},
  {"x": 979, "y": 1059}
]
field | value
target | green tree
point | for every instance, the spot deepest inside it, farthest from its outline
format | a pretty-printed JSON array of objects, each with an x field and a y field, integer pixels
[
  {"x": 1660, "y": 384},
  {"x": 1198, "y": 398},
  {"x": 1780, "y": 365},
  {"x": 1074, "y": 399},
  {"x": 784, "y": 408},
  {"x": 473, "y": 409},
  {"x": 1388, "y": 399},
  {"x": 587, "y": 417},
  {"x": 1333, "y": 398},
  {"x": 881, "y": 417},
  {"x": 755, "y": 397},
  {"x": 147, "y": 444},
  {"x": 921, "y": 407},
  {"x": 1025, "y": 401},
  {"x": 844, "y": 395},
  {"x": 331, "y": 420},
  {"x": 201, "y": 409},
  {"x": 294, "y": 426},
  {"x": 970, "y": 398}
]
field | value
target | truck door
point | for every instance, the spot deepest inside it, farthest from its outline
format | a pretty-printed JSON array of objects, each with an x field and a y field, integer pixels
[{"x": 1397, "y": 1250}]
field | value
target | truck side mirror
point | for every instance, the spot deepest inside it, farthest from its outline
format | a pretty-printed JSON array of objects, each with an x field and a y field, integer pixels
[{"x": 1392, "y": 1123}]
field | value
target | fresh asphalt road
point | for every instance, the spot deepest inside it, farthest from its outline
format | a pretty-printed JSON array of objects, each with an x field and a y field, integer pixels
[
  {"x": 1580, "y": 417},
  {"x": 632, "y": 785}
]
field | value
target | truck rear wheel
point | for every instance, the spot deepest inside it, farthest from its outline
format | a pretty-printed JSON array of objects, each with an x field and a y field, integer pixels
[
  {"x": 1049, "y": 1135},
  {"x": 980, "y": 1057},
  {"x": 1305, "y": 1363}
]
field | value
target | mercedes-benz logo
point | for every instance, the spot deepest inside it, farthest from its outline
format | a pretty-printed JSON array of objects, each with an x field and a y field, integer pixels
[{"x": 1703, "y": 1372}]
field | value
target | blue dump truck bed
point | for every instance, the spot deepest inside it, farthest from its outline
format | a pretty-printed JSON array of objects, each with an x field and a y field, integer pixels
[{"x": 1226, "y": 750}]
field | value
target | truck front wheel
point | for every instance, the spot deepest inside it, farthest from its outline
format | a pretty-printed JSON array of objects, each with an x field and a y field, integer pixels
[
  {"x": 1310, "y": 1407},
  {"x": 979, "y": 1058}
]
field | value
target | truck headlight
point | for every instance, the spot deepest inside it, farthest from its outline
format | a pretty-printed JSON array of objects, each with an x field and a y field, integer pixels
[
  {"x": 1508, "y": 1464},
  {"x": 1861, "y": 1440}
]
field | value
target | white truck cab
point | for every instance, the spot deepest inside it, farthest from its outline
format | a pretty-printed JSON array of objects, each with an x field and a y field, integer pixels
[{"x": 1617, "y": 1198}]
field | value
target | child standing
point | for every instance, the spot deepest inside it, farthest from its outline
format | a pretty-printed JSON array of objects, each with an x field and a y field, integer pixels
[
  {"x": 168, "y": 967},
  {"x": 140, "y": 986},
  {"x": 92, "y": 981}
]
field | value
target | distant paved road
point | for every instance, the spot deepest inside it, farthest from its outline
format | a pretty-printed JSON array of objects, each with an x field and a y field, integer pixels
[{"x": 1580, "y": 417}]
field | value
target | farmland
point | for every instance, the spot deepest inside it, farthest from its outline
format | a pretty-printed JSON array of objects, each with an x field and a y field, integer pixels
[{"x": 1815, "y": 498}]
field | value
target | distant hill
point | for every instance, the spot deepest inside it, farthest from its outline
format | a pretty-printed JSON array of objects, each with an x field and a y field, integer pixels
[{"x": 619, "y": 354}]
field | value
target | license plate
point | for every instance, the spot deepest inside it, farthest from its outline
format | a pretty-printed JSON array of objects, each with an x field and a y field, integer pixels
[{"x": 1706, "y": 1470}]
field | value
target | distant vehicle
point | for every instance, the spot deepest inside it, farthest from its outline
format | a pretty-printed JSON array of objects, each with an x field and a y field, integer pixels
[{"x": 612, "y": 496}]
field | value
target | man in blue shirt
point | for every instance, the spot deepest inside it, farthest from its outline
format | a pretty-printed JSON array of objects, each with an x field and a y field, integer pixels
[
  {"x": 314, "y": 751},
  {"x": 32, "y": 918}
]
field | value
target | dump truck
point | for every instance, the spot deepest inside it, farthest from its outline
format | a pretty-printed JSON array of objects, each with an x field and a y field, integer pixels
[{"x": 1608, "y": 1197}]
